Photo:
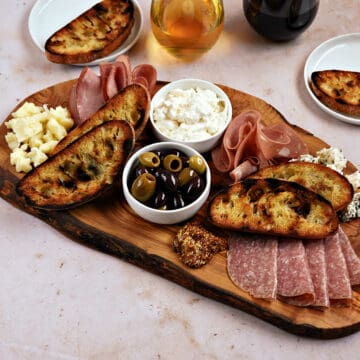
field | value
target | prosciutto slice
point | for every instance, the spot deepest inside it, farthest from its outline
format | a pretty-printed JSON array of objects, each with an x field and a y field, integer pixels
[
  {"x": 295, "y": 285},
  {"x": 251, "y": 264},
  {"x": 315, "y": 256},
  {"x": 351, "y": 259},
  {"x": 338, "y": 281},
  {"x": 86, "y": 96},
  {"x": 91, "y": 91},
  {"x": 247, "y": 139}
]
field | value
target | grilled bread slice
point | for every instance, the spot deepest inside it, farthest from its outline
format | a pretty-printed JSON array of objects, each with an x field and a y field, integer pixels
[
  {"x": 131, "y": 104},
  {"x": 273, "y": 206},
  {"x": 316, "y": 177},
  {"x": 338, "y": 89},
  {"x": 92, "y": 35},
  {"x": 80, "y": 172}
]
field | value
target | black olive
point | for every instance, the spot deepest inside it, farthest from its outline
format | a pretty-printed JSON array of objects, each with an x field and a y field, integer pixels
[
  {"x": 194, "y": 188},
  {"x": 160, "y": 199},
  {"x": 167, "y": 180},
  {"x": 176, "y": 201}
]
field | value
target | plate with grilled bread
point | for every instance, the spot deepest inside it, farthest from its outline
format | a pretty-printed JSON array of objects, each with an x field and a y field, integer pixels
[
  {"x": 332, "y": 77},
  {"x": 88, "y": 32}
]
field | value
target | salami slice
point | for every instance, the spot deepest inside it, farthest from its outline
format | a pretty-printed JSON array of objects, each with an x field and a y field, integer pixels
[
  {"x": 338, "y": 281},
  {"x": 352, "y": 260},
  {"x": 251, "y": 264},
  {"x": 315, "y": 256},
  {"x": 294, "y": 280}
]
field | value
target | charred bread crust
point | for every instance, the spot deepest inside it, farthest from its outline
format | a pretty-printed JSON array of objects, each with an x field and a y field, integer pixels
[
  {"x": 92, "y": 35},
  {"x": 80, "y": 172},
  {"x": 131, "y": 104},
  {"x": 338, "y": 89},
  {"x": 319, "y": 178},
  {"x": 273, "y": 206}
]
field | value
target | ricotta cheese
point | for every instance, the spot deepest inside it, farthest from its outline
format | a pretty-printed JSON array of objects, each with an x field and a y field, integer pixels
[
  {"x": 190, "y": 114},
  {"x": 34, "y": 131}
]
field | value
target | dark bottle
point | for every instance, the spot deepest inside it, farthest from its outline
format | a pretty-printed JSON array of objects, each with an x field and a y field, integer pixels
[{"x": 280, "y": 20}]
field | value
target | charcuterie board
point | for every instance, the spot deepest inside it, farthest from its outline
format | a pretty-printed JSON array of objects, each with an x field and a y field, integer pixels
[{"x": 109, "y": 225}]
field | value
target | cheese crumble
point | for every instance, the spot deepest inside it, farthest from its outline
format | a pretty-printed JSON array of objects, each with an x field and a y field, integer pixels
[
  {"x": 190, "y": 114},
  {"x": 34, "y": 131}
]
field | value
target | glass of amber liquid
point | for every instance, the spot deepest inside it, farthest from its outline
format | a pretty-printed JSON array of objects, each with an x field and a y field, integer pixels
[{"x": 187, "y": 28}]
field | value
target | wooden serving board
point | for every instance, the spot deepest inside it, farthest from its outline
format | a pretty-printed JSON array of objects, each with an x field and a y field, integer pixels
[{"x": 109, "y": 225}]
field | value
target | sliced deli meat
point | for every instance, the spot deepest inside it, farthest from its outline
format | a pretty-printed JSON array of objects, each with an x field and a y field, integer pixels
[
  {"x": 295, "y": 285},
  {"x": 251, "y": 264},
  {"x": 315, "y": 256},
  {"x": 352, "y": 260},
  {"x": 248, "y": 139},
  {"x": 339, "y": 287},
  {"x": 86, "y": 97}
]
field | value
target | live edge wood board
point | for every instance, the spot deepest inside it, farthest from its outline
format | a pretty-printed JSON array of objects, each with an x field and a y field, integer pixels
[{"x": 109, "y": 225}]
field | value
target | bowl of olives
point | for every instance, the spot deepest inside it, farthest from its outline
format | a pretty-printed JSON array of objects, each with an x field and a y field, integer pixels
[{"x": 166, "y": 182}]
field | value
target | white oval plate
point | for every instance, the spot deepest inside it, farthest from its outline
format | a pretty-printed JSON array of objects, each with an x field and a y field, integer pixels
[
  {"x": 341, "y": 53},
  {"x": 47, "y": 16}
]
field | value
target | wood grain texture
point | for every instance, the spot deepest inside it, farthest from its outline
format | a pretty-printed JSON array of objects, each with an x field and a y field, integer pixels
[{"x": 109, "y": 225}]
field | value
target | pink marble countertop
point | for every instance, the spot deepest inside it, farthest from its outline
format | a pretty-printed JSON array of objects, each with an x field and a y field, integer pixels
[{"x": 61, "y": 300}]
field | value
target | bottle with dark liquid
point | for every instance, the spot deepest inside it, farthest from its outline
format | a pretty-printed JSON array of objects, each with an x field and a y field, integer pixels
[
  {"x": 280, "y": 20},
  {"x": 187, "y": 28}
]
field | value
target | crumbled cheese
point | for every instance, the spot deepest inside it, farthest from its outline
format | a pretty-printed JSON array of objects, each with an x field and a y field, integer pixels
[
  {"x": 331, "y": 157},
  {"x": 34, "y": 131},
  {"x": 190, "y": 115},
  {"x": 353, "y": 209},
  {"x": 334, "y": 158}
]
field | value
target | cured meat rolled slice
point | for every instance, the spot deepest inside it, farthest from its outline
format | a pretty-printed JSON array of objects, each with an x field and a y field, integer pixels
[
  {"x": 251, "y": 264},
  {"x": 338, "y": 281},
  {"x": 238, "y": 138},
  {"x": 280, "y": 141},
  {"x": 147, "y": 72},
  {"x": 315, "y": 256},
  {"x": 248, "y": 139},
  {"x": 294, "y": 280},
  {"x": 351, "y": 259},
  {"x": 86, "y": 96}
]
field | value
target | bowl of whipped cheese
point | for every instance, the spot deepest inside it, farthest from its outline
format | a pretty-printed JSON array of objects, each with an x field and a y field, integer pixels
[{"x": 192, "y": 112}]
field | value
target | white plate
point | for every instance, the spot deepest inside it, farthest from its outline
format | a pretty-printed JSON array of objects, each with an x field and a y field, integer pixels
[
  {"x": 341, "y": 53},
  {"x": 47, "y": 16}
]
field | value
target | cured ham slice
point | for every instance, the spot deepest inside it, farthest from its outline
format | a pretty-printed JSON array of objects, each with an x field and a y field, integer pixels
[
  {"x": 248, "y": 140},
  {"x": 86, "y": 96},
  {"x": 315, "y": 256},
  {"x": 251, "y": 264},
  {"x": 338, "y": 281},
  {"x": 351, "y": 259},
  {"x": 91, "y": 91},
  {"x": 108, "y": 76},
  {"x": 293, "y": 276},
  {"x": 147, "y": 73}
]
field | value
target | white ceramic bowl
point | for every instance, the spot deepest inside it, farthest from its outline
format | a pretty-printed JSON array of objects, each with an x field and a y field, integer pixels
[
  {"x": 164, "y": 216},
  {"x": 199, "y": 145}
]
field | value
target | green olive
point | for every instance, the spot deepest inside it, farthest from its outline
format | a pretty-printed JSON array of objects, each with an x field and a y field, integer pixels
[
  {"x": 143, "y": 187},
  {"x": 197, "y": 163},
  {"x": 172, "y": 163},
  {"x": 149, "y": 159},
  {"x": 186, "y": 175}
]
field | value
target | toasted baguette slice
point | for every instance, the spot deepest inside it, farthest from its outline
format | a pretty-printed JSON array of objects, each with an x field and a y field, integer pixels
[
  {"x": 316, "y": 177},
  {"x": 92, "y": 35},
  {"x": 131, "y": 104},
  {"x": 338, "y": 89},
  {"x": 80, "y": 172},
  {"x": 273, "y": 206}
]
